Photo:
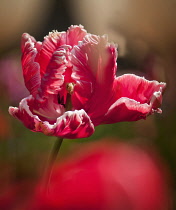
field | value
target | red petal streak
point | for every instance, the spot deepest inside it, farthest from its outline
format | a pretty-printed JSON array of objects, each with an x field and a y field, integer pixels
[
  {"x": 94, "y": 62},
  {"x": 76, "y": 124},
  {"x": 30, "y": 68}
]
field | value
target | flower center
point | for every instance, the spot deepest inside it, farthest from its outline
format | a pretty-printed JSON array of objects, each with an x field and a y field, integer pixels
[
  {"x": 69, "y": 88},
  {"x": 66, "y": 103}
]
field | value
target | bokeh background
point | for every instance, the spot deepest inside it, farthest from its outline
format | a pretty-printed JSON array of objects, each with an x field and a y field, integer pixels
[{"x": 145, "y": 32}]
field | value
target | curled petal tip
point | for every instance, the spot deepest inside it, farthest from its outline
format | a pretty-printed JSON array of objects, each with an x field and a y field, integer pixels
[
  {"x": 156, "y": 100},
  {"x": 13, "y": 110},
  {"x": 25, "y": 36}
]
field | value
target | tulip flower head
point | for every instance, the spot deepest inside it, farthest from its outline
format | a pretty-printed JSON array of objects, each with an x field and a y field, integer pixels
[{"x": 71, "y": 77}]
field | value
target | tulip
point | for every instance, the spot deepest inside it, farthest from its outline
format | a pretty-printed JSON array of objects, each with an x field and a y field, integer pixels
[{"x": 71, "y": 77}]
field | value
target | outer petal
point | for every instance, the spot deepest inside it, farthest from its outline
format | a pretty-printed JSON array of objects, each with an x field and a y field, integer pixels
[
  {"x": 137, "y": 88},
  {"x": 73, "y": 124},
  {"x": 31, "y": 69},
  {"x": 25, "y": 38},
  {"x": 56, "y": 39},
  {"x": 76, "y": 124},
  {"x": 135, "y": 98},
  {"x": 126, "y": 109},
  {"x": 94, "y": 67},
  {"x": 75, "y": 34}
]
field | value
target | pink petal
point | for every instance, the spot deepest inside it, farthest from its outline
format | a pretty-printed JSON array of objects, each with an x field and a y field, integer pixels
[
  {"x": 53, "y": 78},
  {"x": 56, "y": 39},
  {"x": 75, "y": 34},
  {"x": 94, "y": 63},
  {"x": 31, "y": 69},
  {"x": 72, "y": 124},
  {"x": 82, "y": 94},
  {"x": 24, "y": 114},
  {"x": 26, "y": 38},
  {"x": 126, "y": 109},
  {"x": 136, "y": 98},
  {"x": 49, "y": 46},
  {"x": 137, "y": 88}
]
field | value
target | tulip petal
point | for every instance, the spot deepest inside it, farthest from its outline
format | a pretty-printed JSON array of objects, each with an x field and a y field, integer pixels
[
  {"x": 56, "y": 39},
  {"x": 49, "y": 45},
  {"x": 31, "y": 69},
  {"x": 53, "y": 78},
  {"x": 137, "y": 88},
  {"x": 72, "y": 124},
  {"x": 135, "y": 98},
  {"x": 75, "y": 34},
  {"x": 94, "y": 62},
  {"x": 126, "y": 109}
]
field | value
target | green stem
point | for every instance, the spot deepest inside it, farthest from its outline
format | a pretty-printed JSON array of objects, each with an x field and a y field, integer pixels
[{"x": 52, "y": 159}]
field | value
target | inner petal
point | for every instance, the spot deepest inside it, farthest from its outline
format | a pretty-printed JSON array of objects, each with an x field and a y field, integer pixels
[
  {"x": 55, "y": 98},
  {"x": 48, "y": 110}
]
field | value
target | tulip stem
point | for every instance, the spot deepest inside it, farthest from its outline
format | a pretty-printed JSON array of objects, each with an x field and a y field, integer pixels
[{"x": 52, "y": 159}]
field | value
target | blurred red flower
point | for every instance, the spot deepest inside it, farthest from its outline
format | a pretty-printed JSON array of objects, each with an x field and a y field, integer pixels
[
  {"x": 73, "y": 87},
  {"x": 107, "y": 177}
]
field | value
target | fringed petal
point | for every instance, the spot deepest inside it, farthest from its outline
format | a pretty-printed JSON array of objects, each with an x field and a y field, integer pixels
[
  {"x": 24, "y": 114},
  {"x": 94, "y": 62},
  {"x": 31, "y": 69},
  {"x": 56, "y": 39},
  {"x": 53, "y": 78},
  {"x": 134, "y": 98},
  {"x": 72, "y": 124},
  {"x": 126, "y": 109},
  {"x": 137, "y": 88},
  {"x": 49, "y": 46},
  {"x": 75, "y": 34}
]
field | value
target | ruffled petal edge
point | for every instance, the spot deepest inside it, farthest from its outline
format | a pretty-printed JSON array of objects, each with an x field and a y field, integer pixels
[
  {"x": 134, "y": 98},
  {"x": 94, "y": 67},
  {"x": 31, "y": 69},
  {"x": 72, "y": 124},
  {"x": 125, "y": 109}
]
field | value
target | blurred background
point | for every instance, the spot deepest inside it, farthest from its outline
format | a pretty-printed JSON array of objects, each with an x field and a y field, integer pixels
[{"x": 145, "y": 32}]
